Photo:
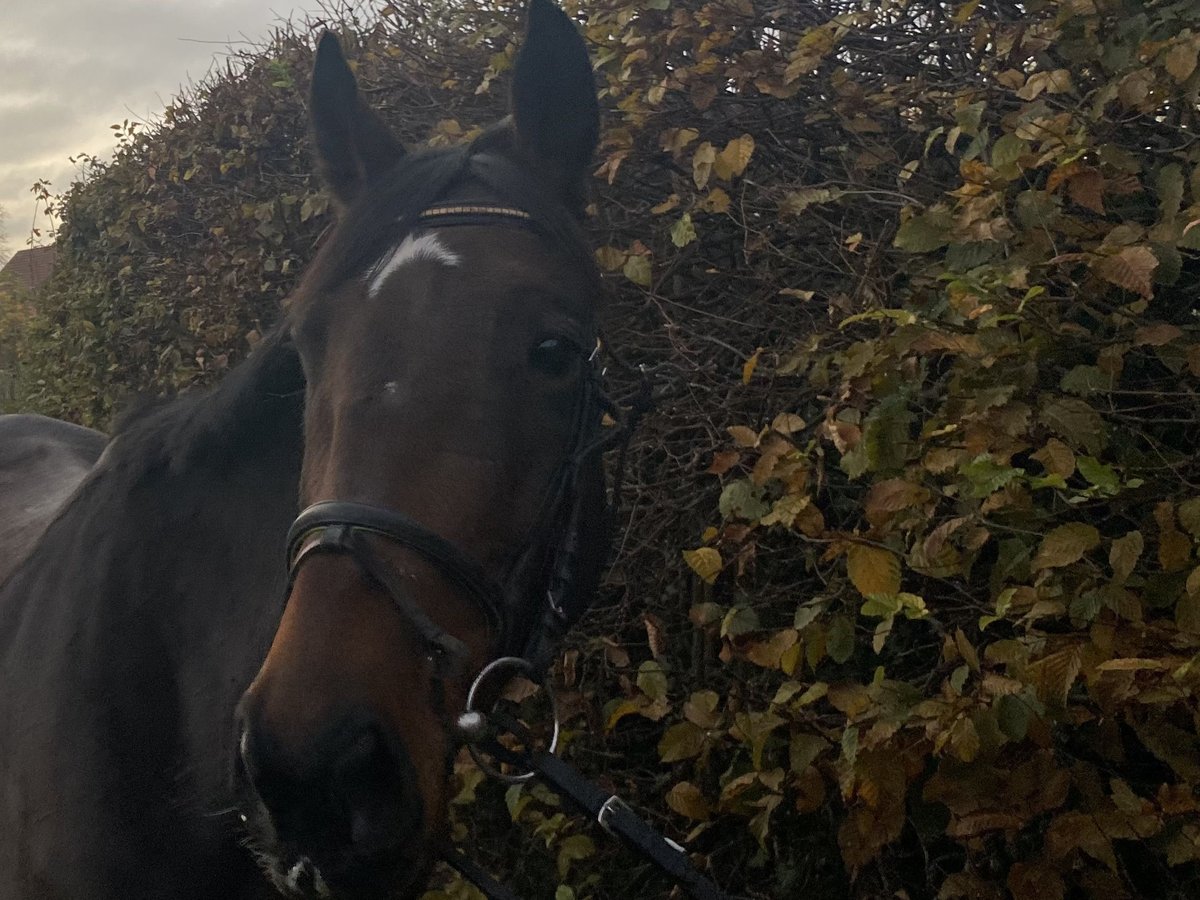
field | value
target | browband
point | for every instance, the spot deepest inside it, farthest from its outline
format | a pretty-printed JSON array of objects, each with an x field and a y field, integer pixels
[{"x": 474, "y": 214}]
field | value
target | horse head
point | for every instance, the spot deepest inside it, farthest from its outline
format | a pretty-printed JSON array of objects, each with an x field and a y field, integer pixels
[{"x": 452, "y": 482}]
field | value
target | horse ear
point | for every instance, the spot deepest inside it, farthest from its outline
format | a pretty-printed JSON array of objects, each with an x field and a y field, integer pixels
[
  {"x": 353, "y": 145},
  {"x": 554, "y": 102}
]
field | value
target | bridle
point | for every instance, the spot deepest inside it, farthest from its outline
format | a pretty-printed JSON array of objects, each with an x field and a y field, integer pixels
[{"x": 346, "y": 528}]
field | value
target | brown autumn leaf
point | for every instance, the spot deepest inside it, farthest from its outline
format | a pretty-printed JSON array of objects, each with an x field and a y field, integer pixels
[
  {"x": 1065, "y": 545},
  {"x": 886, "y": 498},
  {"x": 656, "y": 638},
  {"x": 702, "y": 164},
  {"x": 1053, "y": 675},
  {"x": 1131, "y": 269},
  {"x": 1124, "y": 554},
  {"x": 1157, "y": 334},
  {"x": 1180, "y": 60},
  {"x": 743, "y": 436},
  {"x": 1087, "y": 190},
  {"x": 723, "y": 461},
  {"x": 1057, "y": 458},
  {"x": 1031, "y": 881}
]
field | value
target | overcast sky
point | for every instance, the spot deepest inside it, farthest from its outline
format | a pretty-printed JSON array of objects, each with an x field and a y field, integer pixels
[{"x": 69, "y": 69}]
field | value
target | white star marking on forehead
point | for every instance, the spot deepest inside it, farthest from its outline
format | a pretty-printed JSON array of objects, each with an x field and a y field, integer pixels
[{"x": 426, "y": 246}]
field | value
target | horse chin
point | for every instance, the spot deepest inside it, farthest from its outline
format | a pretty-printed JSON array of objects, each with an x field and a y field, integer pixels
[{"x": 394, "y": 876}]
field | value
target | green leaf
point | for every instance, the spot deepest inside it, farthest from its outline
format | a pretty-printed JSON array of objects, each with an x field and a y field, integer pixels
[
  {"x": 652, "y": 680},
  {"x": 926, "y": 231},
  {"x": 1085, "y": 606},
  {"x": 1085, "y": 380},
  {"x": 886, "y": 434},
  {"x": 839, "y": 642},
  {"x": 738, "y": 621},
  {"x": 804, "y": 749},
  {"x": 741, "y": 499},
  {"x": 1169, "y": 187},
  {"x": 984, "y": 476},
  {"x": 1013, "y": 714},
  {"x": 958, "y": 678},
  {"x": 1099, "y": 474},
  {"x": 1007, "y": 150},
  {"x": 577, "y": 846}
]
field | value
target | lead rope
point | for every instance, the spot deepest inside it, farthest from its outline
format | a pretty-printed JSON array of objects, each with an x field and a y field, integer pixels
[{"x": 612, "y": 813}]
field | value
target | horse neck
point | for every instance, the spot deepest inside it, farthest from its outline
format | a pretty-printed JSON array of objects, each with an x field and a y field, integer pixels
[{"x": 161, "y": 584}]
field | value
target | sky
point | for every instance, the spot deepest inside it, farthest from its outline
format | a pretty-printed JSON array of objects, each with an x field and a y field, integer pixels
[{"x": 70, "y": 69}]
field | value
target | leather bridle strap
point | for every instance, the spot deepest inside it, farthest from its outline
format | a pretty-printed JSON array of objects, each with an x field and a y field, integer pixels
[{"x": 338, "y": 526}]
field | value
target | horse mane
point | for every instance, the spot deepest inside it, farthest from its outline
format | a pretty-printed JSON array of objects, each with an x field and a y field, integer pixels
[{"x": 255, "y": 398}]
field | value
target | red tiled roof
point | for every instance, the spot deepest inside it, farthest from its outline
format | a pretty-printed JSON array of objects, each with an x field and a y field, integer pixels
[{"x": 28, "y": 269}]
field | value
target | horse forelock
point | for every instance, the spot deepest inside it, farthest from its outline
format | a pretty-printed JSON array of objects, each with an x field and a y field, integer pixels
[{"x": 390, "y": 211}]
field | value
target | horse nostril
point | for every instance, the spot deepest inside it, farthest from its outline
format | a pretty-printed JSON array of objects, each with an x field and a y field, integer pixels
[{"x": 377, "y": 785}]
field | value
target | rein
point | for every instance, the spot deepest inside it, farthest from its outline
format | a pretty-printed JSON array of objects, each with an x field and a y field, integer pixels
[{"x": 351, "y": 529}]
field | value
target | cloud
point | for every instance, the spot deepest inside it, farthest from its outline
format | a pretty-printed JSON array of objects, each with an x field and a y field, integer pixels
[{"x": 69, "y": 69}]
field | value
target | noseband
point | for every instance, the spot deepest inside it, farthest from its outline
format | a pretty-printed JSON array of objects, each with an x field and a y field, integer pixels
[{"x": 345, "y": 528}]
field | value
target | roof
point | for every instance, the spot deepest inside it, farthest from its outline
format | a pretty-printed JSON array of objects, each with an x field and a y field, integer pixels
[{"x": 29, "y": 269}]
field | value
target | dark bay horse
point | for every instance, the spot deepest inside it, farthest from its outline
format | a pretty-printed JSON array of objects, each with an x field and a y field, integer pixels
[
  {"x": 42, "y": 462},
  {"x": 180, "y": 711}
]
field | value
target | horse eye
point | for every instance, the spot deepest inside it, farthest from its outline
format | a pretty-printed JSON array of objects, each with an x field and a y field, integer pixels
[{"x": 554, "y": 357}]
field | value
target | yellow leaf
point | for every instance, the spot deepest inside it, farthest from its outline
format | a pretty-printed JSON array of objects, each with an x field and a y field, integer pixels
[
  {"x": 964, "y": 12},
  {"x": 687, "y": 800},
  {"x": 702, "y": 164},
  {"x": 674, "y": 140},
  {"x": 873, "y": 570},
  {"x": 705, "y": 562},
  {"x": 1066, "y": 544},
  {"x": 732, "y": 161},
  {"x": 666, "y": 206},
  {"x": 637, "y": 269},
  {"x": 787, "y": 423},
  {"x": 964, "y": 740},
  {"x": 749, "y": 366},
  {"x": 610, "y": 259},
  {"x": 769, "y": 653},
  {"x": 717, "y": 201},
  {"x": 683, "y": 740}
]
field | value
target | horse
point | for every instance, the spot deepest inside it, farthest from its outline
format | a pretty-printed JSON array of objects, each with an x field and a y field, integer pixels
[
  {"x": 42, "y": 461},
  {"x": 205, "y": 694}
]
